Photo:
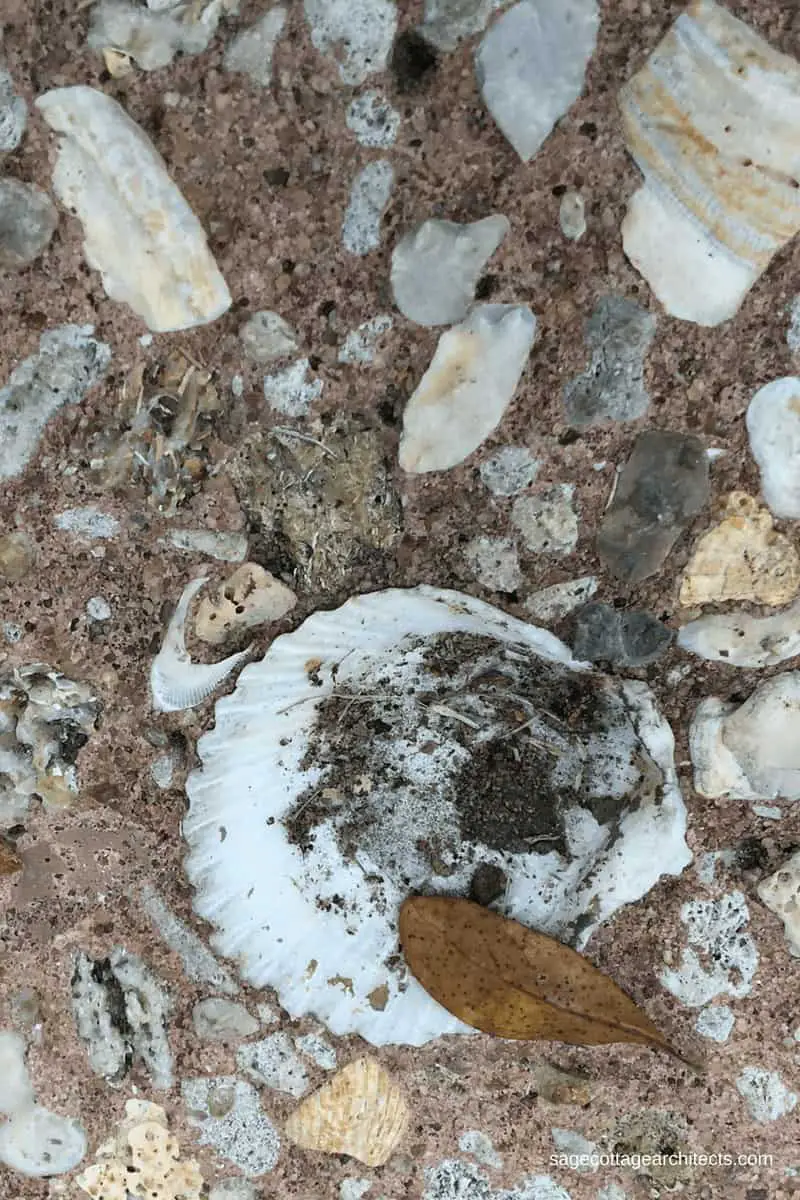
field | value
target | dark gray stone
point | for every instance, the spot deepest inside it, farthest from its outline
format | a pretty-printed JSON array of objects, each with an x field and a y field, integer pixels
[
  {"x": 28, "y": 219},
  {"x": 619, "y": 334},
  {"x": 663, "y": 485},
  {"x": 628, "y": 639}
]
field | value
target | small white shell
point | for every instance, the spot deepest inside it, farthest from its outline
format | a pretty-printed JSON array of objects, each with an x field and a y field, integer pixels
[
  {"x": 359, "y": 1112},
  {"x": 320, "y": 926},
  {"x": 175, "y": 681}
]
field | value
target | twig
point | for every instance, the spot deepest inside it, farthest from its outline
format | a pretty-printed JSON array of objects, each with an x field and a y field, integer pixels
[{"x": 287, "y": 431}]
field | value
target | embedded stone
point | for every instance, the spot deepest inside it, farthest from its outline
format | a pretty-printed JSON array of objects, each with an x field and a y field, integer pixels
[{"x": 663, "y": 485}]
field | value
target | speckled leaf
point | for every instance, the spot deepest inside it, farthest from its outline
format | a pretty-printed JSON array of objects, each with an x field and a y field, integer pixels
[{"x": 510, "y": 981}]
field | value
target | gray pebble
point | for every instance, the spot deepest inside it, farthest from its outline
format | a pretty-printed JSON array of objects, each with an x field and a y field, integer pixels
[
  {"x": 619, "y": 334},
  {"x": 218, "y": 1020},
  {"x": 13, "y": 114},
  {"x": 28, "y": 219},
  {"x": 663, "y": 485},
  {"x": 629, "y": 639}
]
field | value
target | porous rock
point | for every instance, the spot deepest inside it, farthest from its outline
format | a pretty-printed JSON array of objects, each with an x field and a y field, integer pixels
[
  {"x": 436, "y": 267},
  {"x": 618, "y": 333},
  {"x": 249, "y": 597},
  {"x": 663, "y": 485},
  {"x": 547, "y": 521},
  {"x": 742, "y": 558}
]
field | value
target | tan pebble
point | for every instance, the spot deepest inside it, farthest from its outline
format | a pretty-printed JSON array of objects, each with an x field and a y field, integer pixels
[
  {"x": 16, "y": 556},
  {"x": 742, "y": 558},
  {"x": 10, "y": 861},
  {"x": 360, "y": 1112},
  {"x": 249, "y": 597}
]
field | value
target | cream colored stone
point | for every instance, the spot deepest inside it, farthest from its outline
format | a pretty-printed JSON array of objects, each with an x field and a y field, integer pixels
[
  {"x": 140, "y": 233},
  {"x": 781, "y": 894},
  {"x": 249, "y": 597},
  {"x": 742, "y": 558},
  {"x": 143, "y": 1159}
]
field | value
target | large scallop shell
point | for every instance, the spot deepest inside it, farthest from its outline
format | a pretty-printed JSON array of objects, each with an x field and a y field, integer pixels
[
  {"x": 359, "y": 1112},
  {"x": 315, "y": 916},
  {"x": 711, "y": 120}
]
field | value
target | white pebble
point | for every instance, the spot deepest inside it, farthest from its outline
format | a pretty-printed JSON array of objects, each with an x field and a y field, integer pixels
[
  {"x": 373, "y": 120},
  {"x": 98, "y": 609},
  {"x": 369, "y": 195},
  {"x": 288, "y": 392},
  {"x": 509, "y": 470}
]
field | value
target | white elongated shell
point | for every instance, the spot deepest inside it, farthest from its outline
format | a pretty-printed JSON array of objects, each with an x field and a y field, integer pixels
[
  {"x": 175, "y": 681},
  {"x": 711, "y": 120},
  {"x": 359, "y": 1112},
  {"x": 465, "y": 391},
  {"x": 139, "y": 231},
  {"x": 320, "y": 927}
]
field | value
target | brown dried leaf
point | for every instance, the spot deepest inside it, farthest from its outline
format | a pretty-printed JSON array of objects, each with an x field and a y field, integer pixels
[
  {"x": 508, "y": 980},
  {"x": 10, "y": 861}
]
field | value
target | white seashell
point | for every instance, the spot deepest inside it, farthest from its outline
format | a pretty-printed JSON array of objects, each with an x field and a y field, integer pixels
[
  {"x": 175, "y": 681},
  {"x": 742, "y": 640},
  {"x": 773, "y": 429},
  {"x": 711, "y": 121},
  {"x": 359, "y": 1112},
  {"x": 531, "y": 66},
  {"x": 781, "y": 894},
  {"x": 750, "y": 751},
  {"x": 463, "y": 395},
  {"x": 139, "y": 231},
  {"x": 320, "y": 924},
  {"x": 435, "y": 267}
]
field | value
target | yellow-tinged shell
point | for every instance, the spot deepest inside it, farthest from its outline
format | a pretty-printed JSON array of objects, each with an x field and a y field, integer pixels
[{"x": 360, "y": 1112}]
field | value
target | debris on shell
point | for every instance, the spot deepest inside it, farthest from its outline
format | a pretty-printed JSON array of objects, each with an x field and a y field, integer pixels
[
  {"x": 342, "y": 827},
  {"x": 742, "y": 640},
  {"x": 70, "y": 361},
  {"x": 265, "y": 336},
  {"x": 436, "y": 267},
  {"x": 560, "y": 599},
  {"x": 373, "y": 120},
  {"x": 360, "y": 1112},
  {"x": 142, "y": 1159},
  {"x": 358, "y": 34},
  {"x": 249, "y": 597},
  {"x": 663, "y": 485},
  {"x": 466, "y": 390},
  {"x": 749, "y": 751},
  {"x": 547, "y": 521},
  {"x": 139, "y": 231},
  {"x": 531, "y": 66},
  {"x": 45, "y": 719},
  {"x": 28, "y": 220},
  {"x": 152, "y": 36},
  {"x": 773, "y": 429},
  {"x": 781, "y": 894},
  {"x": 251, "y": 51},
  {"x": 572, "y": 216},
  {"x": 742, "y": 558},
  {"x": 618, "y": 333},
  {"x": 13, "y": 114},
  {"x": 710, "y": 121},
  {"x": 175, "y": 681},
  {"x": 369, "y": 196}
]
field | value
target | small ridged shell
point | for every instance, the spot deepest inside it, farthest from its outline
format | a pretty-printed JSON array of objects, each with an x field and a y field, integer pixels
[{"x": 360, "y": 1112}]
